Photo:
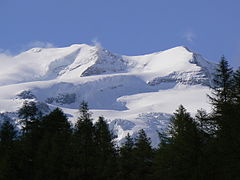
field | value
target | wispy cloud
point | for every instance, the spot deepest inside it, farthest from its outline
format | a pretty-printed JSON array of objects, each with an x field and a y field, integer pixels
[
  {"x": 96, "y": 43},
  {"x": 5, "y": 58},
  {"x": 24, "y": 47},
  {"x": 5, "y": 52},
  {"x": 4, "y": 55},
  {"x": 189, "y": 36},
  {"x": 39, "y": 44}
]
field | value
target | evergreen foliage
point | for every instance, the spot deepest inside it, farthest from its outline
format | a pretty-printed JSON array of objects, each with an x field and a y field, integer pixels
[
  {"x": 7, "y": 158},
  {"x": 143, "y": 156},
  {"x": 83, "y": 150},
  {"x": 204, "y": 147},
  {"x": 106, "y": 152},
  {"x": 126, "y": 159},
  {"x": 29, "y": 116},
  {"x": 50, "y": 158},
  {"x": 178, "y": 158}
]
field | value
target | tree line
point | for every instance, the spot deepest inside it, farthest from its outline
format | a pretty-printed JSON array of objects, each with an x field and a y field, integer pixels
[{"x": 206, "y": 146}]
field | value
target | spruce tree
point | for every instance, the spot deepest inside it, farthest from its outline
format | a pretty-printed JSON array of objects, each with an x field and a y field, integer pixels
[
  {"x": 8, "y": 163},
  {"x": 179, "y": 157},
  {"x": 83, "y": 147},
  {"x": 126, "y": 159},
  {"x": 236, "y": 85},
  {"x": 235, "y": 130},
  {"x": 222, "y": 97},
  {"x": 226, "y": 116},
  {"x": 222, "y": 92},
  {"x": 29, "y": 116},
  {"x": 7, "y": 134},
  {"x": 51, "y": 160},
  {"x": 143, "y": 154},
  {"x": 106, "y": 155}
]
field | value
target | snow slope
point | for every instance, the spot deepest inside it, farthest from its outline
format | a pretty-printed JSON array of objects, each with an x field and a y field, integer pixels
[{"x": 131, "y": 92}]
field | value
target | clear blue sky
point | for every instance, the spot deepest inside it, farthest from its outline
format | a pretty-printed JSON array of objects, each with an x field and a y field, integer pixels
[{"x": 130, "y": 27}]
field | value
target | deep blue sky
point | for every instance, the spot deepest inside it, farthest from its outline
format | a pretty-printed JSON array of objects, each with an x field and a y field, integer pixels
[{"x": 130, "y": 27}]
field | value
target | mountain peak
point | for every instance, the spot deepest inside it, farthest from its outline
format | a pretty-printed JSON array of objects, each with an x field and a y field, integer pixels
[{"x": 132, "y": 92}]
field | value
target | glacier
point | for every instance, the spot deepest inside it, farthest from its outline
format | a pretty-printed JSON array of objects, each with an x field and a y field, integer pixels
[{"x": 131, "y": 92}]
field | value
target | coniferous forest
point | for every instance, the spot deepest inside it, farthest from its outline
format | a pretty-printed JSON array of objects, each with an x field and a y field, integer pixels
[{"x": 206, "y": 146}]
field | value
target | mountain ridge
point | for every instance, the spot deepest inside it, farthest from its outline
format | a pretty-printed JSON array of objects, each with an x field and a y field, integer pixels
[{"x": 141, "y": 90}]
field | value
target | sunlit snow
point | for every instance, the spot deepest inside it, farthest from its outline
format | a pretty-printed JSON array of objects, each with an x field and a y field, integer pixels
[{"x": 131, "y": 92}]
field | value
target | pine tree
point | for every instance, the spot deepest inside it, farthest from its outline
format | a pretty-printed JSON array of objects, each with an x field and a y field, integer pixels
[
  {"x": 179, "y": 157},
  {"x": 106, "y": 155},
  {"x": 222, "y": 92},
  {"x": 127, "y": 145},
  {"x": 51, "y": 160},
  {"x": 222, "y": 98},
  {"x": 83, "y": 147},
  {"x": 143, "y": 156},
  {"x": 126, "y": 159},
  {"x": 234, "y": 134},
  {"x": 7, "y": 134},
  {"x": 29, "y": 116},
  {"x": 205, "y": 123},
  {"x": 7, "y": 150},
  {"x": 229, "y": 132},
  {"x": 56, "y": 123},
  {"x": 226, "y": 143},
  {"x": 236, "y": 85}
]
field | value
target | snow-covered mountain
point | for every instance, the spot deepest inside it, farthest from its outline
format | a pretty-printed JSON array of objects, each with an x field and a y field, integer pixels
[{"x": 131, "y": 92}]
